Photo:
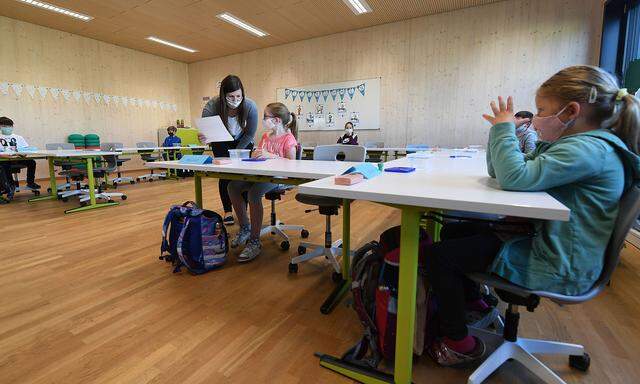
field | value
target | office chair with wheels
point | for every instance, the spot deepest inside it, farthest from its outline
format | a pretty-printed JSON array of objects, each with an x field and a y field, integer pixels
[
  {"x": 109, "y": 165},
  {"x": 521, "y": 349},
  {"x": 149, "y": 157},
  {"x": 65, "y": 165},
  {"x": 327, "y": 206},
  {"x": 276, "y": 227},
  {"x": 15, "y": 171},
  {"x": 113, "y": 147}
]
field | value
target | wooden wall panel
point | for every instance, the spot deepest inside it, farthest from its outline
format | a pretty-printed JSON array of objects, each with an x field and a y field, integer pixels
[
  {"x": 41, "y": 56},
  {"x": 438, "y": 72}
]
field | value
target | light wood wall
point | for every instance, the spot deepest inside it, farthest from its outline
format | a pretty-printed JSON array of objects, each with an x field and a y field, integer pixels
[
  {"x": 32, "y": 54},
  {"x": 438, "y": 72}
]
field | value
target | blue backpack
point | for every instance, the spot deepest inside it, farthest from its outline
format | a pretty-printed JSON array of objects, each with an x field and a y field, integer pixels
[{"x": 195, "y": 238}]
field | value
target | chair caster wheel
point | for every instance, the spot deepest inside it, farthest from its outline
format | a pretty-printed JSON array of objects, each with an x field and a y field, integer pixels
[
  {"x": 336, "y": 277},
  {"x": 37, "y": 193},
  {"x": 123, "y": 197},
  {"x": 293, "y": 268},
  {"x": 304, "y": 233},
  {"x": 64, "y": 199},
  {"x": 285, "y": 245},
  {"x": 301, "y": 250},
  {"x": 48, "y": 190},
  {"x": 580, "y": 362},
  {"x": 150, "y": 180},
  {"x": 132, "y": 182}
]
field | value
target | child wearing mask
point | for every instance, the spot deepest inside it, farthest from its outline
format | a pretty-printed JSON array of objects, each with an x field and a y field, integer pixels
[
  {"x": 11, "y": 141},
  {"x": 172, "y": 140},
  {"x": 589, "y": 156},
  {"x": 278, "y": 141},
  {"x": 348, "y": 138},
  {"x": 525, "y": 131}
]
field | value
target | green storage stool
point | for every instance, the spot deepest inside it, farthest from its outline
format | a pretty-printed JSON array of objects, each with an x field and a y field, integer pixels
[
  {"x": 92, "y": 141},
  {"x": 77, "y": 140}
]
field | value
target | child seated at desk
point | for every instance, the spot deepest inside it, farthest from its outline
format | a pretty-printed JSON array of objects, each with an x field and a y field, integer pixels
[
  {"x": 525, "y": 131},
  {"x": 171, "y": 141},
  {"x": 278, "y": 141},
  {"x": 589, "y": 156},
  {"x": 9, "y": 141}
]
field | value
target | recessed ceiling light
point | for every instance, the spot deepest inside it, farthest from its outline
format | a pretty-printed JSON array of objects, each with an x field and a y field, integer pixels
[
  {"x": 358, "y": 6},
  {"x": 53, "y": 8},
  {"x": 174, "y": 45},
  {"x": 229, "y": 18}
]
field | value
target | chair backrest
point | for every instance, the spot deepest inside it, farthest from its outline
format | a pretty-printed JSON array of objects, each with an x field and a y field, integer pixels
[
  {"x": 374, "y": 144},
  {"x": 110, "y": 146},
  {"x": 299, "y": 151},
  {"x": 337, "y": 152},
  {"x": 145, "y": 144},
  {"x": 629, "y": 209},
  {"x": 59, "y": 146}
]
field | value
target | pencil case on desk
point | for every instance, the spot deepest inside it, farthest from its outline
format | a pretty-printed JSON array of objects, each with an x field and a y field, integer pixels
[{"x": 349, "y": 179}]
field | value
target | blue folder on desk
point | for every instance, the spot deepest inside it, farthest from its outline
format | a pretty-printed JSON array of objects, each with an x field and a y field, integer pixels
[
  {"x": 195, "y": 159},
  {"x": 368, "y": 170}
]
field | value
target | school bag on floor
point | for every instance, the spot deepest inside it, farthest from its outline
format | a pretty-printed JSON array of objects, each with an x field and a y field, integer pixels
[
  {"x": 194, "y": 238},
  {"x": 374, "y": 274}
]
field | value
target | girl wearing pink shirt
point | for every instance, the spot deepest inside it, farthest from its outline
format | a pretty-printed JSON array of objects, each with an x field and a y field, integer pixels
[{"x": 278, "y": 141}]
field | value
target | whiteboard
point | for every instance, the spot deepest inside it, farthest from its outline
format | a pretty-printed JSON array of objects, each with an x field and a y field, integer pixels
[{"x": 327, "y": 107}]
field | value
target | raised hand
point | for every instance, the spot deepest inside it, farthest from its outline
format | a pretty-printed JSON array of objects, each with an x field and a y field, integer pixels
[{"x": 502, "y": 113}]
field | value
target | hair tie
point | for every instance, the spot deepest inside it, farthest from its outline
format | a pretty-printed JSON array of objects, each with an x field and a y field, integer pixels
[
  {"x": 622, "y": 92},
  {"x": 593, "y": 95}
]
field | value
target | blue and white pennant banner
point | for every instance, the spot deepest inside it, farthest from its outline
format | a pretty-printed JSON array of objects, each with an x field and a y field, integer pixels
[{"x": 324, "y": 93}]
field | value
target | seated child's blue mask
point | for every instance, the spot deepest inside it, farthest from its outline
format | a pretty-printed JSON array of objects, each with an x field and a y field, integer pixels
[{"x": 6, "y": 130}]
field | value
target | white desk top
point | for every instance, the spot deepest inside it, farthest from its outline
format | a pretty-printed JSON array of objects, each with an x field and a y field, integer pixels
[
  {"x": 135, "y": 149},
  {"x": 60, "y": 153},
  {"x": 448, "y": 183},
  {"x": 303, "y": 169},
  {"x": 385, "y": 149}
]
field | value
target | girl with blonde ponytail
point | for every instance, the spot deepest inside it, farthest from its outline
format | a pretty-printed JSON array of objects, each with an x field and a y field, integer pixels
[
  {"x": 586, "y": 157},
  {"x": 278, "y": 141}
]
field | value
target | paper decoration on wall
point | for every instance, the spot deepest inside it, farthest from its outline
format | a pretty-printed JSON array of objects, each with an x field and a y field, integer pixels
[
  {"x": 17, "y": 88},
  {"x": 351, "y": 91},
  {"x": 355, "y": 119},
  {"x": 31, "y": 90},
  {"x": 330, "y": 120},
  {"x": 42, "y": 91},
  {"x": 310, "y": 119},
  {"x": 77, "y": 95},
  {"x": 342, "y": 109},
  {"x": 54, "y": 93}
]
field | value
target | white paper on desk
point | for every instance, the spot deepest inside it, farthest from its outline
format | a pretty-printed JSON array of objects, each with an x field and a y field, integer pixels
[{"x": 213, "y": 129}]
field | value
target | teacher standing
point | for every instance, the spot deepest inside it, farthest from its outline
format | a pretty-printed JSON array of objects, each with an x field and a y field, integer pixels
[{"x": 240, "y": 115}]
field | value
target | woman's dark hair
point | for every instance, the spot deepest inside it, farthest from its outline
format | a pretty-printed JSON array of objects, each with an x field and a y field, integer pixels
[
  {"x": 524, "y": 115},
  {"x": 348, "y": 123},
  {"x": 229, "y": 84},
  {"x": 6, "y": 122},
  {"x": 288, "y": 118}
]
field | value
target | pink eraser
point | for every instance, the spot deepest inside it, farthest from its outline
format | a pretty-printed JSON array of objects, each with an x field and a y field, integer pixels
[
  {"x": 221, "y": 161},
  {"x": 350, "y": 179}
]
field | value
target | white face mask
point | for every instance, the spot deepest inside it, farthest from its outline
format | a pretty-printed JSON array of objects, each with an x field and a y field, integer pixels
[
  {"x": 233, "y": 103},
  {"x": 349, "y": 131},
  {"x": 271, "y": 126}
]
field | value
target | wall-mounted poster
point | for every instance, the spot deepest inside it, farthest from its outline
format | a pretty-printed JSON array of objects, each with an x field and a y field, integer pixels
[{"x": 330, "y": 106}]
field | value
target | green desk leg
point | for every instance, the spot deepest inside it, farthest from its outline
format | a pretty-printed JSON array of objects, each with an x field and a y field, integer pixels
[
  {"x": 92, "y": 192},
  {"x": 408, "y": 276},
  {"x": 197, "y": 180},
  {"x": 343, "y": 286},
  {"x": 52, "y": 184}
]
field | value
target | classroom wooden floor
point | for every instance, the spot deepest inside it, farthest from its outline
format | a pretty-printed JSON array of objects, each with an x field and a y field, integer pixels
[{"x": 84, "y": 299}]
